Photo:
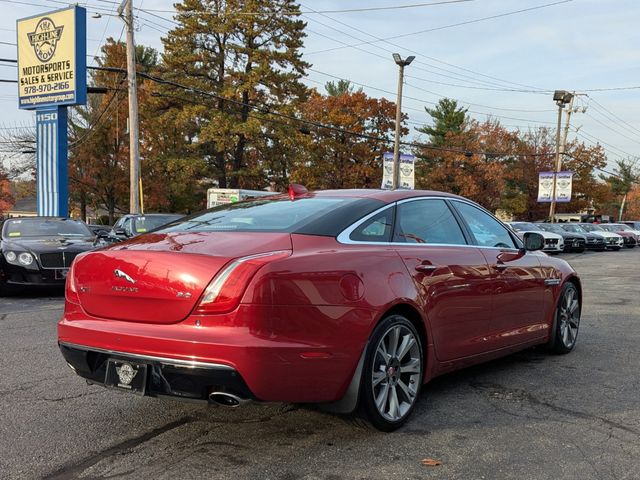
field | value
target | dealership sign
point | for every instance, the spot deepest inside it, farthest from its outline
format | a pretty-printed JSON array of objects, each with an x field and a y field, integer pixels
[
  {"x": 52, "y": 59},
  {"x": 52, "y": 74},
  {"x": 407, "y": 171},
  {"x": 563, "y": 183}
]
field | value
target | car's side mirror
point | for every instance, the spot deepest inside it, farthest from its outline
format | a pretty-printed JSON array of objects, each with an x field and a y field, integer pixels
[
  {"x": 533, "y": 241},
  {"x": 120, "y": 231}
]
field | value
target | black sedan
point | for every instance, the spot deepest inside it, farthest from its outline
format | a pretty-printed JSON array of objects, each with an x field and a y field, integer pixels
[
  {"x": 594, "y": 241},
  {"x": 573, "y": 241},
  {"x": 38, "y": 251}
]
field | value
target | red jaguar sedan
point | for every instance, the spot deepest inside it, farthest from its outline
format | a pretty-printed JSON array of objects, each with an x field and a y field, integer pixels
[{"x": 350, "y": 298}]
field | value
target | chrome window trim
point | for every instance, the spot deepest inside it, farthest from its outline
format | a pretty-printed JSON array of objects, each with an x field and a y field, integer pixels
[
  {"x": 162, "y": 360},
  {"x": 344, "y": 236}
]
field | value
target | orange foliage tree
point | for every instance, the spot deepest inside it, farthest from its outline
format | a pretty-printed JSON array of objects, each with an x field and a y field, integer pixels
[
  {"x": 335, "y": 159},
  {"x": 6, "y": 198}
]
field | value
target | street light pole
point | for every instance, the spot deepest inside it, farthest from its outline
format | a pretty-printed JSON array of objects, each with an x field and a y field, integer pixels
[
  {"x": 396, "y": 144},
  {"x": 562, "y": 98},
  {"x": 125, "y": 11}
]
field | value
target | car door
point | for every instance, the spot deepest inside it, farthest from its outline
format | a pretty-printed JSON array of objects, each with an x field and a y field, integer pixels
[
  {"x": 517, "y": 279},
  {"x": 452, "y": 277}
]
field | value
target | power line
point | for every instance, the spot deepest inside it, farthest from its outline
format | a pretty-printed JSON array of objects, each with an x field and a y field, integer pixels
[
  {"x": 295, "y": 12},
  {"x": 612, "y": 129},
  {"x": 267, "y": 111},
  {"x": 421, "y": 100},
  {"x": 630, "y": 127},
  {"x": 443, "y": 27},
  {"x": 420, "y": 54}
]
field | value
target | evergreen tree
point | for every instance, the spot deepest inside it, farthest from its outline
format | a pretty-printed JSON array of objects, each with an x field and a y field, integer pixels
[
  {"x": 249, "y": 59},
  {"x": 335, "y": 89},
  {"x": 448, "y": 119}
]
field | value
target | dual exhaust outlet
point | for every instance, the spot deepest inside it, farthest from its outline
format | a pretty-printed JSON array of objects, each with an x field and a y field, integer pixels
[{"x": 226, "y": 399}]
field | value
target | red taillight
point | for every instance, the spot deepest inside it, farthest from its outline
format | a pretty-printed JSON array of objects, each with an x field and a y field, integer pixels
[
  {"x": 225, "y": 291},
  {"x": 71, "y": 289}
]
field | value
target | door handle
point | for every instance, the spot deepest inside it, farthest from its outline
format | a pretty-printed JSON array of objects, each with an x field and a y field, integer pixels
[{"x": 424, "y": 268}]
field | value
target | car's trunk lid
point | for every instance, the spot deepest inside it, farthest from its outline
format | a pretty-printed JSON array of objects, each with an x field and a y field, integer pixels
[{"x": 160, "y": 281}]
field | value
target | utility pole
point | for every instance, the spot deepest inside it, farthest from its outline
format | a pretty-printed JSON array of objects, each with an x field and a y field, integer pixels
[
  {"x": 396, "y": 144},
  {"x": 561, "y": 98},
  {"x": 125, "y": 11}
]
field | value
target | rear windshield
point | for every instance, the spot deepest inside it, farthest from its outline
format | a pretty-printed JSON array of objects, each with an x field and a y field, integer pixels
[
  {"x": 148, "y": 223},
  {"x": 22, "y": 228},
  {"x": 312, "y": 215}
]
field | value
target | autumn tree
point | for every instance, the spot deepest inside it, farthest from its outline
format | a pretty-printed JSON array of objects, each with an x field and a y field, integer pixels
[
  {"x": 348, "y": 155},
  {"x": 6, "y": 198},
  {"x": 232, "y": 62},
  {"x": 632, "y": 208},
  {"x": 99, "y": 144},
  {"x": 622, "y": 183},
  {"x": 473, "y": 163}
]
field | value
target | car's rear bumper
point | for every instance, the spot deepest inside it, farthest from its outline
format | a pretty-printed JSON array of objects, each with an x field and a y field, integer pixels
[
  {"x": 165, "y": 377},
  {"x": 291, "y": 354}
]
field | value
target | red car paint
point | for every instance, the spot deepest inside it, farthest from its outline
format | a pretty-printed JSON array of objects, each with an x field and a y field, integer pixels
[{"x": 304, "y": 319}]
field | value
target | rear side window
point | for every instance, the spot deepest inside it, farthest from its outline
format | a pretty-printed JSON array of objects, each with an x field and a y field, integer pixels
[
  {"x": 487, "y": 231},
  {"x": 427, "y": 221},
  {"x": 377, "y": 229},
  {"x": 308, "y": 215}
]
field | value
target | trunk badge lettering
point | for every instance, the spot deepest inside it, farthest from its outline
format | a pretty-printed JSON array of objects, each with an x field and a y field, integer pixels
[
  {"x": 117, "y": 288},
  {"x": 183, "y": 295},
  {"x": 120, "y": 274}
]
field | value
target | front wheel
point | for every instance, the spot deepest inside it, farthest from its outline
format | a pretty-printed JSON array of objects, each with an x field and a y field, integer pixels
[
  {"x": 566, "y": 321},
  {"x": 392, "y": 373}
]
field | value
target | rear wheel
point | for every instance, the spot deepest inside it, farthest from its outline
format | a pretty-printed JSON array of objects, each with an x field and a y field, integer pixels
[
  {"x": 392, "y": 373},
  {"x": 567, "y": 320}
]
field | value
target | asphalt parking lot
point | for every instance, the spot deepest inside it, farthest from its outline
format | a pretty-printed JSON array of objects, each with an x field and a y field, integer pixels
[{"x": 528, "y": 416}]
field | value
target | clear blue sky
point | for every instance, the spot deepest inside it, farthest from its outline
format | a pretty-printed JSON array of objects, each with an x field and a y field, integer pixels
[{"x": 494, "y": 66}]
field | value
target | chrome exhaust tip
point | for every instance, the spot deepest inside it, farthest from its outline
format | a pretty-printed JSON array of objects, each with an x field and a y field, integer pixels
[{"x": 226, "y": 399}]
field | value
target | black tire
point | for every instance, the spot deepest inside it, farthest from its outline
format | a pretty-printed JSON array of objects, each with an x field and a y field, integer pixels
[
  {"x": 566, "y": 321},
  {"x": 383, "y": 378},
  {"x": 580, "y": 250}
]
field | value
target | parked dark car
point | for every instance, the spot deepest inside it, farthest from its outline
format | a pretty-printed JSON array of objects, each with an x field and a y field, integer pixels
[
  {"x": 133, "y": 225},
  {"x": 38, "y": 251},
  {"x": 594, "y": 241},
  {"x": 612, "y": 240},
  {"x": 573, "y": 241}
]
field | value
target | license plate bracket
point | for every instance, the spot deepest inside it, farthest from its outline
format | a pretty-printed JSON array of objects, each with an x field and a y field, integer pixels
[
  {"x": 61, "y": 274},
  {"x": 126, "y": 375}
]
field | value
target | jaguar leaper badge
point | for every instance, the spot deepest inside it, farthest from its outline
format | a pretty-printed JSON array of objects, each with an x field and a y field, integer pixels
[
  {"x": 45, "y": 39},
  {"x": 126, "y": 374}
]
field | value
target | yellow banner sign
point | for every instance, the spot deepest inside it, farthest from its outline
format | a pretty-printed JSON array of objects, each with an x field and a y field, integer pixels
[{"x": 52, "y": 58}]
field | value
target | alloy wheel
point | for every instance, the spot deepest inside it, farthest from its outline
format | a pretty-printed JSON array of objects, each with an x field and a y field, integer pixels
[
  {"x": 396, "y": 372},
  {"x": 569, "y": 317}
]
